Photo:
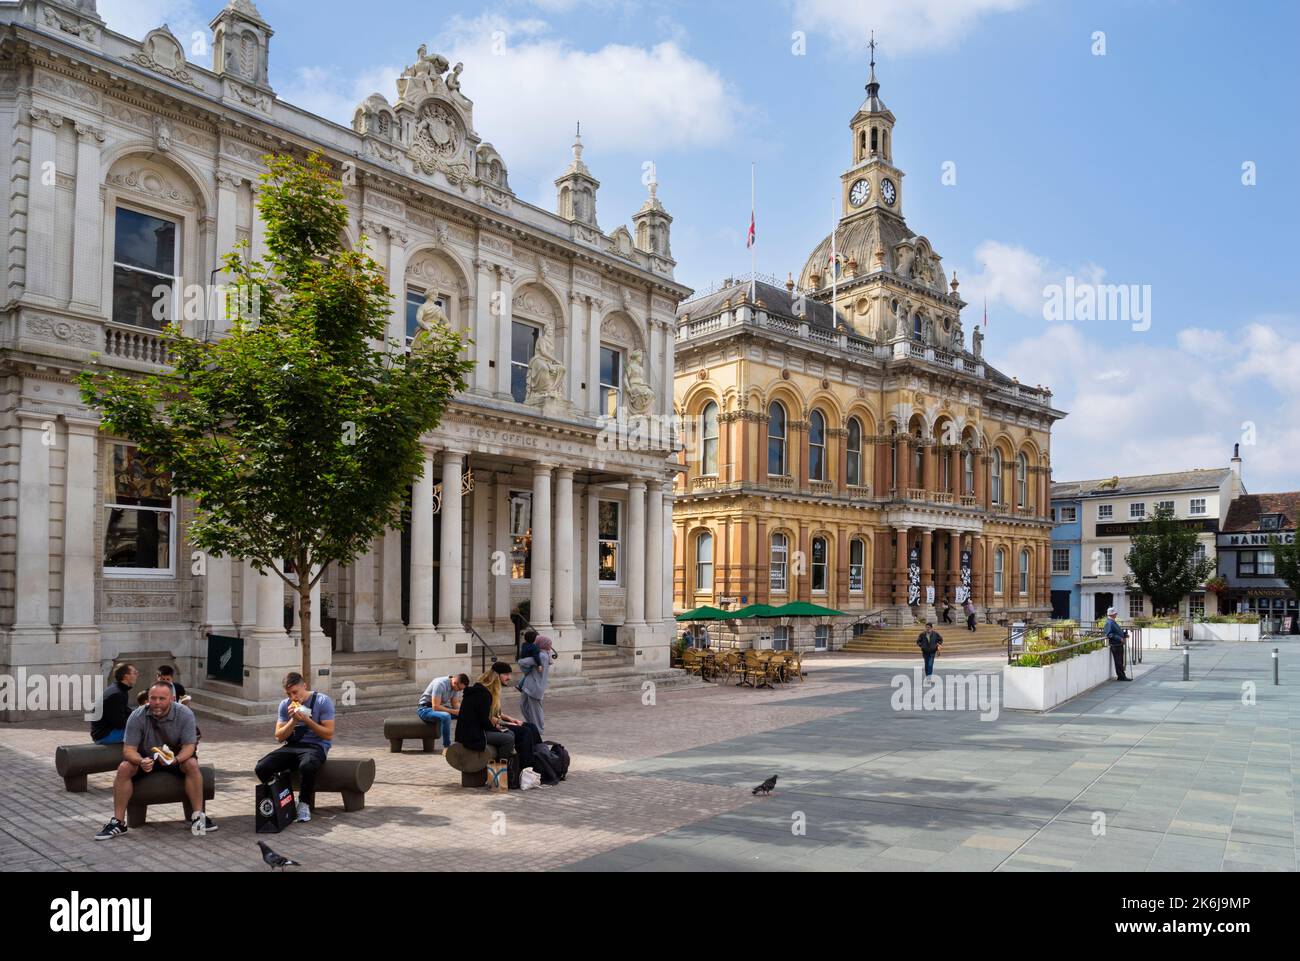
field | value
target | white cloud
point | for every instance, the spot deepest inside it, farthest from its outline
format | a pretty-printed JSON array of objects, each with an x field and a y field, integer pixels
[
  {"x": 1012, "y": 276},
  {"x": 135, "y": 18},
  {"x": 1155, "y": 408},
  {"x": 901, "y": 26},
  {"x": 529, "y": 90}
]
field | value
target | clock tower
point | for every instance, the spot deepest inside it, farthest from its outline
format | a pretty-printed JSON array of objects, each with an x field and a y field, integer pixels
[{"x": 873, "y": 182}]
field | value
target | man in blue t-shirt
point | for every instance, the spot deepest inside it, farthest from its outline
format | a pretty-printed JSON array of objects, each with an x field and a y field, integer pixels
[{"x": 305, "y": 725}]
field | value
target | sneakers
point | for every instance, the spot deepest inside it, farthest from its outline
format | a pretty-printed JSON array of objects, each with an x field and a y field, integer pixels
[
  {"x": 304, "y": 813},
  {"x": 202, "y": 824},
  {"x": 112, "y": 829}
]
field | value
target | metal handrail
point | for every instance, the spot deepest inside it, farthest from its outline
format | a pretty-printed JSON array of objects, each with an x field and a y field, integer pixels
[
  {"x": 484, "y": 649},
  {"x": 1089, "y": 636}
]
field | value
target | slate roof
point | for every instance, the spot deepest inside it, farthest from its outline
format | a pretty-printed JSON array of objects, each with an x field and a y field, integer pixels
[
  {"x": 1188, "y": 480},
  {"x": 1245, "y": 511},
  {"x": 776, "y": 300}
]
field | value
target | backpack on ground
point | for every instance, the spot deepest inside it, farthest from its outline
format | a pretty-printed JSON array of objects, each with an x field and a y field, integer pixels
[
  {"x": 560, "y": 757},
  {"x": 514, "y": 768}
]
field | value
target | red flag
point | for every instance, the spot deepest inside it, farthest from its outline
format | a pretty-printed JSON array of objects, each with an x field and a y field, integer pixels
[
  {"x": 749, "y": 242},
  {"x": 986, "y": 312}
]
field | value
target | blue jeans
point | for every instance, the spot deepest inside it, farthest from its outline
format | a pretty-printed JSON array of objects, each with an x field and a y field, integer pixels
[
  {"x": 429, "y": 716},
  {"x": 929, "y": 662},
  {"x": 113, "y": 737}
]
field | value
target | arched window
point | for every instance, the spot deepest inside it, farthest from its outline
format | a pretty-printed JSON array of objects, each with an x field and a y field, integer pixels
[
  {"x": 918, "y": 327},
  {"x": 1022, "y": 480},
  {"x": 1024, "y": 572},
  {"x": 709, "y": 417},
  {"x": 875, "y": 139},
  {"x": 853, "y": 469},
  {"x": 968, "y": 472},
  {"x": 819, "y": 577},
  {"x": 779, "y": 562},
  {"x": 999, "y": 568},
  {"x": 945, "y": 469},
  {"x": 817, "y": 446},
  {"x": 857, "y": 565},
  {"x": 704, "y": 562},
  {"x": 776, "y": 441},
  {"x": 918, "y": 462},
  {"x": 997, "y": 476}
]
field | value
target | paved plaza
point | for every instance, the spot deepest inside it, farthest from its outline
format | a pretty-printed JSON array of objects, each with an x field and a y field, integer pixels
[{"x": 1187, "y": 776}]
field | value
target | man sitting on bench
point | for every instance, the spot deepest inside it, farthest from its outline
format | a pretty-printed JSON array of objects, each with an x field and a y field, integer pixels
[
  {"x": 160, "y": 741},
  {"x": 440, "y": 702},
  {"x": 114, "y": 708},
  {"x": 306, "y": 726}
]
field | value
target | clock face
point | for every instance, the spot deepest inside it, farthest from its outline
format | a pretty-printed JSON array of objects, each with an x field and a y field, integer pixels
[
  {"x": 888, "y": 192},
  {"x": 859, "y": 193}
]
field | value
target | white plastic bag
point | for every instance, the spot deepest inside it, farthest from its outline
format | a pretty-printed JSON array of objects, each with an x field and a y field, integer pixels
[{"x": 528, "y": 778}]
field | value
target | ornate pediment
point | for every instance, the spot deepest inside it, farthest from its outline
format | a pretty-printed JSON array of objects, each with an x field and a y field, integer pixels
[{"x": 162, "y": 53}]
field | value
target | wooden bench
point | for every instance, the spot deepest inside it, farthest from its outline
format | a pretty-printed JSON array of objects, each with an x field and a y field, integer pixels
[
  {"x": 472, "y": 765},
  {"x": 165, "y": 789},
  {"x": 399, "y": 729},
  {"x": 75, "y": 761},
  {"x": 350, "y": 777}
]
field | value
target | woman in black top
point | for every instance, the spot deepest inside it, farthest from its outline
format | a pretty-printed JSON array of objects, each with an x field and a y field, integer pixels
[{"x": 475, "y": 725}]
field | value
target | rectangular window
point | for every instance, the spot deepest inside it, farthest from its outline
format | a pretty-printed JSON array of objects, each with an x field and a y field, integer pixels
[
  {"x": 1060, "y": 560},
  {"x": 999, "y": 562},
  {"x": 1199, "y": 554},
  {"x": 607, "y": 523},
  {"x": 1196, "y": 605},
  {"x": 523, "y": 344},
  {"x": 521, "y": 535},
  {"x": 611, "y": 379},
  {"x": 1107, "y": 559},
  {"x": 857, "y": 565},
  {"x": 780, "y": 554},
  {"x": 140, "y": 515},
  {"x": 1165, "y": 505},
  {"x": 1266, "y": 564},
  {"x": 1246, "y": 563},
  {"x": 1105, "y": 512},
  {"x": 821, "y": 637},
  {"x": 1138, "y": 509},
  {"x": 1069, "y": 515},
  {"x": 1135, "y": 605},
  {"x": 145, "y": 254},
  {"x": 1197, "y": 507},
  {"x": 780, "y": 638},
  {"x": 1054, "y": 515},
  {"x": 818, "y": 566}
]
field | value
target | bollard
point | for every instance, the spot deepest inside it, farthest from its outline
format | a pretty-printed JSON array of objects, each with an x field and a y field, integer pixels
[
  {"x": 1275, "y": 662},
  {"x": 1187, "y": 664}
]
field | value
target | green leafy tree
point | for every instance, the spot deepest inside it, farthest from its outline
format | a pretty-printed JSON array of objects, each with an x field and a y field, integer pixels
[
  {"x": 1163, "y": 561},
  {"x": 1286, "y": 561},
  {"x": 298, "y": 434}
]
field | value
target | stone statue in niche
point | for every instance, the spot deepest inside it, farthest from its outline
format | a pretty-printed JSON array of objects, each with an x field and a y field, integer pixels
[
  {"x": 429, "y": 318},
  {"x": 928, "y": 333},
  {"x": 640, "y": 395},
  {"x": 900, "y": 323},
  {"x": 977, "y": 342},
  {"x": 545, "y": 370}
]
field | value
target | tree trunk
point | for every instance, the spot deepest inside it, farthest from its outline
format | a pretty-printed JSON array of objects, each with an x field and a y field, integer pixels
[{"x": 304, "y": 615}]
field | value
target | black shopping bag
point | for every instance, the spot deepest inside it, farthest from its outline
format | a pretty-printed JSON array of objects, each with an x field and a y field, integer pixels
[{"x": 275, "y": 807}]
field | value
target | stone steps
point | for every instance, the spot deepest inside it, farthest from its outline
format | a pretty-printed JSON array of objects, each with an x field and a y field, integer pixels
[{"x": 986, "y": 638}]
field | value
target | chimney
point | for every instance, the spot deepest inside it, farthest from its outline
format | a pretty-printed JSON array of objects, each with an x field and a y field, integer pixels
[{"x": 1237, "y": 487}]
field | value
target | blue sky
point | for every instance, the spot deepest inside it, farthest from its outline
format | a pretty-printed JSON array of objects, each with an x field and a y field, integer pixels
[{"x": 1120, "y": 168}]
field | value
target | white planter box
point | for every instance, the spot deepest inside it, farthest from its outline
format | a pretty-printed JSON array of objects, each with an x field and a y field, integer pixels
[
  {"x": 1161, "y": 638},
  {"x": 1225, "y": 632},
  {"x": 1042, "y": 688}
]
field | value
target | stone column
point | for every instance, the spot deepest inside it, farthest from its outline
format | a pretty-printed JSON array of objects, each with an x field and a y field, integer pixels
[
  {"x": 929, "y": 468},
  {"x": 804, "y": 590},
  {"x": 482, "y": 380},
  {"x": 977, "y": 572},
  {"x": 564, "y": 547},
  {"x": 79, "y": 560},
  {"x": 539, "y": 608},
  {"x": 481, "y": 564},
  {"x": 257, "y": 231},
  {"x": 501, "y": 582},
  {"x": 595, "y": 307},
  {"x": 927, "y": 566},
  {"x": 269, "y": 651},
  {"x": 954, "y": 565},
  {"x": 591, "y": 571},
  {"x": 450, "y": 616},
  {"x": 636, "y": 554},
  {"x": 900, "y": 566},
  {"x": 397, "y": 288},
  {"x": 977, "y": 458},
  {"x": 44, "y": 253},
  {"x": 38, "y": 433},
  {"x": 574, "y": 350},
  {"x": 763, "y": 569},
  {"x": 880, "y": 474},
  {"x": 761, "y": 474},
  {"x": 391, "y": 628},
  {"x": 88, "y": 216},
  {"x": 504, "y": 308},
  {"x": 422, "y": 550},
  {"x": 365, "y": 628}
]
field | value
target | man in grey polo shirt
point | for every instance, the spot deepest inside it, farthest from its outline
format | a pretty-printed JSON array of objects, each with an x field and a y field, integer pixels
[
  {"x": 161, "y": 739},
  {"x": 440, "y": 702}
]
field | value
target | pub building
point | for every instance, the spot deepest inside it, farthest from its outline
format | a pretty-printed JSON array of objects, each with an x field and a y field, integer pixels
[{"x": 1248, "y": 562}]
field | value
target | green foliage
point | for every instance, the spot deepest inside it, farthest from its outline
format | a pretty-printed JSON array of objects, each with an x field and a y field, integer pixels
[
  {"x": 295, "y": 434},
  {"x": 1245, "y": 618},
  {"x": 1156, "y": 622},
  {"x": 1286, "y": 559},
  {"x": 1163, "y": 561}
]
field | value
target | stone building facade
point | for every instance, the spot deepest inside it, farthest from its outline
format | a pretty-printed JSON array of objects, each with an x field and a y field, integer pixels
[
  {"x": 132, "y": 167},
  {"x": 846, "y": 446}
]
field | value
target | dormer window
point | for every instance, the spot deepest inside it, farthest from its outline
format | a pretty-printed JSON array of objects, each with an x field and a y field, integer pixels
[{"x": 1270, "y": 522}]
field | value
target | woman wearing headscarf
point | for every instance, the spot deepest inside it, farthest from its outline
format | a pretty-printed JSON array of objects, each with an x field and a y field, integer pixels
[
  {"x": 480, "y": 723},
  {"x": 537, "y": 674}
]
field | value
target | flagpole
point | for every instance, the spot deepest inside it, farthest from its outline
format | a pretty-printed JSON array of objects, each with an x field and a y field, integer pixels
[
  {"x": 753, "y": 288},
  {"x": 835, "y": 274}
]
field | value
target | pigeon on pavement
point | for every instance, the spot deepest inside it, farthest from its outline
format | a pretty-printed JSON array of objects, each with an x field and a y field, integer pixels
[
  {"x": 766, "y": 786},
  {"x": 276, "y": 860}
]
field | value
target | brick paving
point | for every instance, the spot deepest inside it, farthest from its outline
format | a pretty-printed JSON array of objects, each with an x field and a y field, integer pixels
[{"x": 1187, "y": 776}]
